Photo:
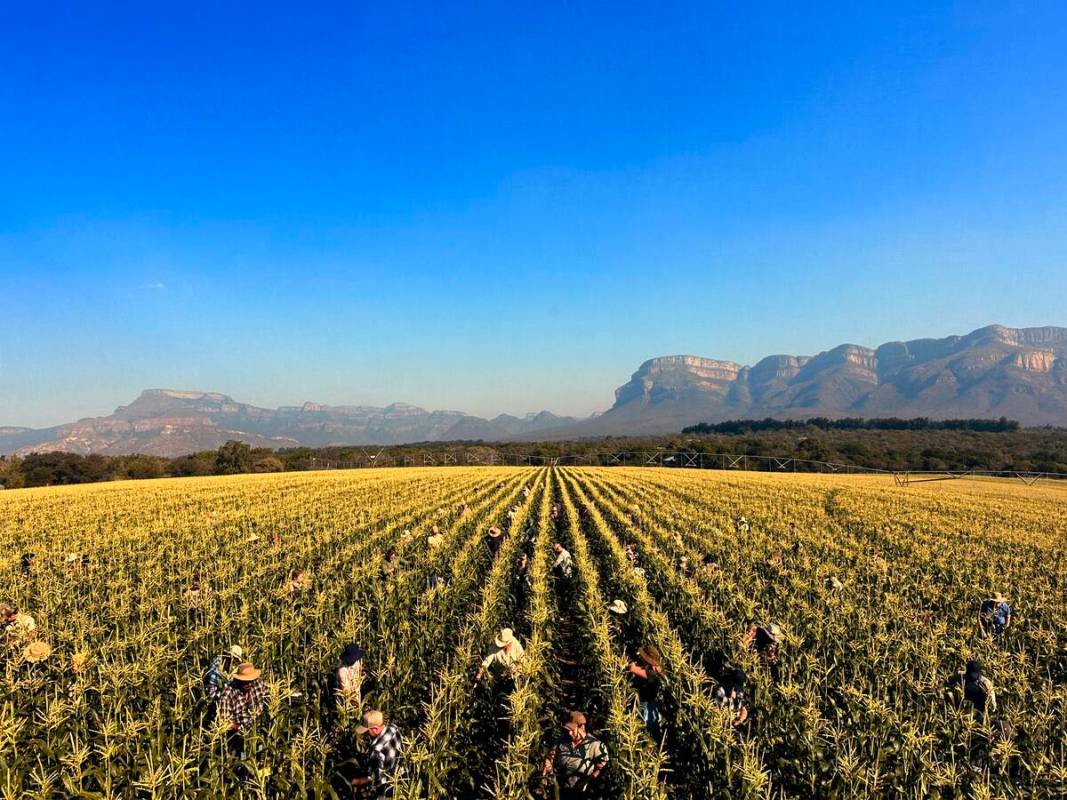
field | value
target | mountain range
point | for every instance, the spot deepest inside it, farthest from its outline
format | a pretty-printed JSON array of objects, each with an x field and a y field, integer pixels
[{"x": 1019, "y": 373}]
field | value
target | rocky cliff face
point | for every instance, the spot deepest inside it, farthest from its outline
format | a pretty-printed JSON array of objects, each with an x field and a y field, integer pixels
[
  {"x": 167, "y": 422},
  {"x": 1020, "y": 373},
  {"x": 995, "y": 371}
]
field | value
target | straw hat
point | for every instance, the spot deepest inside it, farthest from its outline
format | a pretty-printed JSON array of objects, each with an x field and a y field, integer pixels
[
  {"x": 246, "y": 672},
  {"x": 775, "y": 630},
  {"x": 253, "y": 538},
  {"x": 37, "y": 651},
  {"x": 434, "y": 539},
  {"x": 72, "y": 557},
  {"x": 505, "y": 637},
  {"x": 371, "y": 719},
  {"x": 495, "y": 532},
  {"x": 999, "y": 598},
  {"x": 650, "y": 655},
  {"x": 236, "y": 651},
  {"x": 618, "y": 607}
]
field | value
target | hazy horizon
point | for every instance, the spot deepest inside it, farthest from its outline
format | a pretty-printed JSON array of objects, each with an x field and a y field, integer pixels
[{"x": 496, "y": 210}]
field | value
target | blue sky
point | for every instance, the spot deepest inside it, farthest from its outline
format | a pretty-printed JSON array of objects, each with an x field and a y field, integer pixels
[{"x": 498, "y": 208}]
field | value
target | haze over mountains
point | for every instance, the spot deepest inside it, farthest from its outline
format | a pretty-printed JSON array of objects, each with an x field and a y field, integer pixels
[{"x": 1019, "y": 373}]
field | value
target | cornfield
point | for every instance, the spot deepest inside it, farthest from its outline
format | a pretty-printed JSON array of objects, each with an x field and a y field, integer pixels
[{"x": 876, "y": 590}]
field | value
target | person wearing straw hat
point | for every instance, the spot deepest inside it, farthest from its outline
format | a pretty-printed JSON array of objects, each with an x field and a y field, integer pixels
[
  {"x": 496, "y": 536},
  {"x": 383, "y": 760},
  {"x": 617, "y": 617},
  {"x": 764, "y": 640},
  {"x": 647, "y": 674},
  {"x": 994, "y": 615},
  {"x": 577, "y": 758},
  {"x": 506, "y": 655},
  {"x": 243, "y": 698}
]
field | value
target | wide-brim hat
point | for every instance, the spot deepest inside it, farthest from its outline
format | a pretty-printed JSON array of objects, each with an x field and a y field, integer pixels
[
  {"x": 999, "y": 598},
  {"x": 618, "y": 607},
  {"x": 72, "y": 557},
  {"x": 37, "y": 651},
  {"x": 371, "y": 719},
  {"x": 246, "y": 671},
  {"x": 649, "y": 653},
  {"x": 236, "y": 651},
  {"x": 775, "y": 630},
  {"x": 495, "y": 532},
  {"x": 506, "y": 636}
]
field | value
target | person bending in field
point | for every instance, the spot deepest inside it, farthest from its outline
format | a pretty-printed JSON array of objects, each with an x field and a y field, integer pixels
[
  {"x": 505, "y": 655},
  {"x": 971, "y": 686},
  {"x": 647, "y": 674},
  {"x": 764, "y": 639},
  {"x": 563, "y": 566},
  {"x": 26, "y": 562},
  {"x": 17, "y": 628},
  {"x": 496, "y": 538},
  {"x": 346, "y": 680},
  {"x": 577, "y": 759},
  {"x": 384, "y": 758},
  {"x": 242, "y": 702},
  {"x": 730, "y": 695},
  {"x": 391, "y": 563},
  {"x": 994, "y": 615},
  {"x": 219, "y": 673}
]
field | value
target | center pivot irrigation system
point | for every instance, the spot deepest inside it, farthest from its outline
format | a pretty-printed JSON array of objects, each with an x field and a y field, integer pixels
[{"x": 486, "y": 456}]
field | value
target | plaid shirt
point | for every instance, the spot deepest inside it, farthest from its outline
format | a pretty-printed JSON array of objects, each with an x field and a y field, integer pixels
[
  {"x": 244, "y": 706},
  {"x": 384, "y": 758}
]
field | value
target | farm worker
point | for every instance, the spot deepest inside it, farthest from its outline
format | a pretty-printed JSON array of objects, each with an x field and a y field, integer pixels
[
  {"x": 435, "y": 582},
  {"x": 563, "y": 566},
  {"x": 391, "y": 563},
  {"x": 433, "y": 541},
  {"x": 218, "y": 674},
  {"x": 684, "y": 568},
  {"x": 526, "y": 490},
  {"x": 346, "y": 681},
  {"x": 617, "y": 611},
  {"x": 742, "y": 525},
  {"x": 297, "y": 581},
  {"x": 764, "y": 640},
  {"x": 383, "y": 760},
  {"x": 631, "y": 552},
  {"x": 243, "y": 698},
  {"x": 709, "y": 563},
  {"x": 523, "y": 581},
  {"x": 994, "y": 615},
  {"x": 17, "y": 628},
  {"x": 834, "y": 584},
  {"x": 577, "y": 758},
  {"x": 731, "y": 695},
  {"x": 647, "y": 674},
  {"x": 507, "y": 653},
  {"x": 26, "y": 561},
  {"x": 496, "y": 536},
  {"x": 975, "y": 687}
]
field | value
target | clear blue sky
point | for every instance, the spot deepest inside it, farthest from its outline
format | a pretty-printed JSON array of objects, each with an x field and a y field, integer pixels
[{"x": 496, "y": 208}]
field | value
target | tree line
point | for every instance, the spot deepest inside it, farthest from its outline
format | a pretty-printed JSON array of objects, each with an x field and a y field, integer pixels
[
  {"x": 735, "y": 426},
  {"x": 945, "y": 445}
]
